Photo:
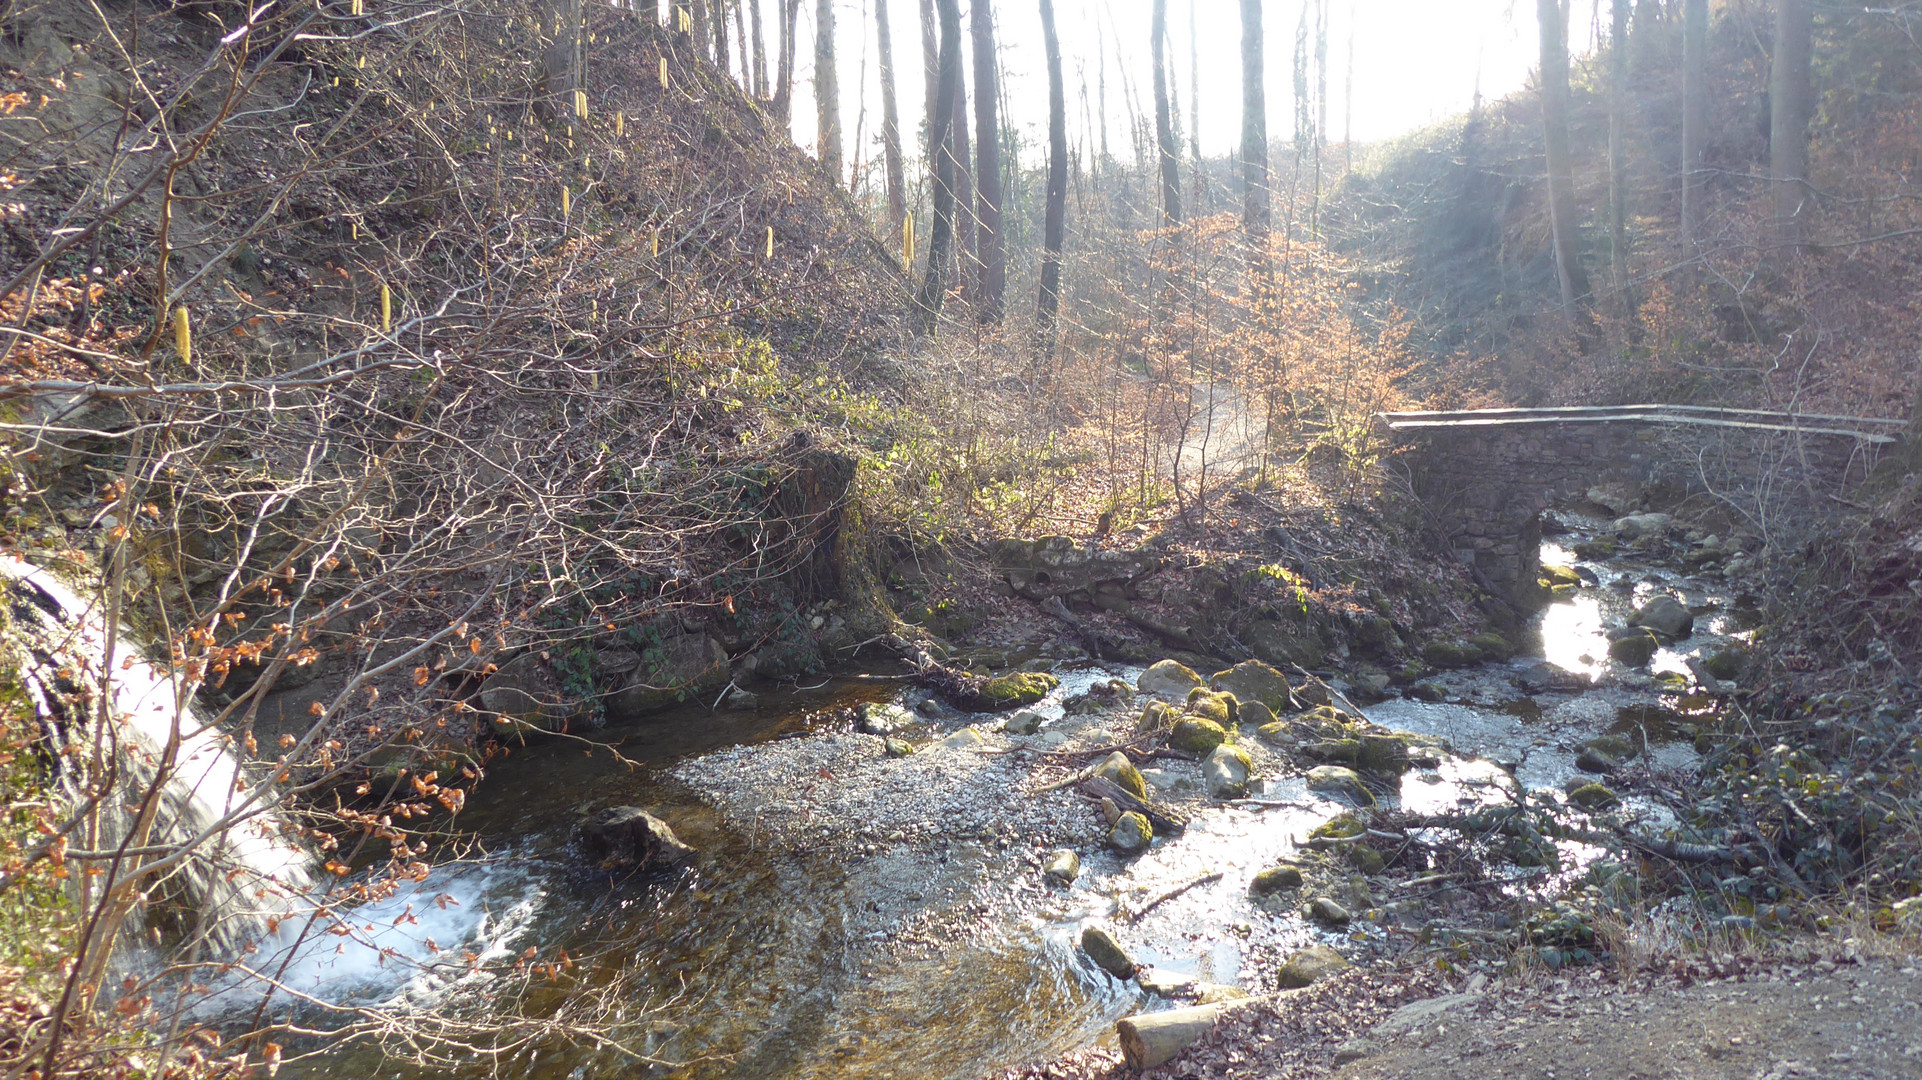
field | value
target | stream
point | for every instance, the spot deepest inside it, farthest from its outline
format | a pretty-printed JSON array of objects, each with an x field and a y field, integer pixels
[{"x": 922, "y": 940}]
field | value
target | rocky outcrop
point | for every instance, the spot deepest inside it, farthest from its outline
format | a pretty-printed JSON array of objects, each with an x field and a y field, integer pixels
[
  {"x": 627, "y": 836},
  {"x": 672, "y": 669},
  {"x": 1056, "y": 566}
]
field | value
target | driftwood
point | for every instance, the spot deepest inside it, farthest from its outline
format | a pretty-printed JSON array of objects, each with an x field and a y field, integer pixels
[
  {"x": 1091, "y": 639},
  {"x": 1166, "y": 822},
  {"x": 1152, "y": 1039},
  {"x": 959, "y": 688},
  {"x": 1205, "y": 879}
]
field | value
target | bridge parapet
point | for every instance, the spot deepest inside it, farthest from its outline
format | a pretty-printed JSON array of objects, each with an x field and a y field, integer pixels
[{"x": 1488, "y": 474}]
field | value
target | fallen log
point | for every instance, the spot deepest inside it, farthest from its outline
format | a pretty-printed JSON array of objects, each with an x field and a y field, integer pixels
[
  {"x": 1151, "y": 1039},
  {"x": 1166, "y": 822}
]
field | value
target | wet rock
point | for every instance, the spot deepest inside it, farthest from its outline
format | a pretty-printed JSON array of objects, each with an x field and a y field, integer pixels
[
  {"x": 1225, "y": 772},
  {"x": 1197, "y": 735},
  {"x": 1327, "y": 911},
  {"x": 1219, "y": 707},
  {"x": 1545, "y": 677},
  {"x": 1131, "y": 834},
  {"x": 1727, "y": 663},
  {"x": 1118, "y": 768},
  {"x": 1025, "y": 722},
  {"x": 1063, "y": 866},
  {"x": 1492, "y": 646},
  {"x": 1168, "y": 984},
  {"x": 875, "y": 718},
  {"x": 1341, "y": 750},
  {"x": 1337, "y": 780},
  {"x": 1633, "y": 645},
  {"x": 1592, "y": 759},
  {"x": 1276, "y": 878},
  {"x": 898, "y": 748},
  {"x": 1017, "y": 689},
  {"x": 1308, "y": 966},
  {"x": 1107, "y": 953},
  {"x": 1593, "y": 796},
  {"x": 1636, "y": 526},
  {"x": 963, "y": 739},
  {"x": 630, "y": 836},
  {"x": 681, "y": 667},
  {"x": 1558, "y": 575},
  {"x": 1253, "y": 714},
  {"x": 1666, "y": 616},
  {"x": 1340, "y": 827},
  {"x": 1428, "y": 692},
  {"x": 1170, "y": 678},
  {"x": 1385, "y": 755},
  {"x": 1252, "y": 681},
  {"x": 1450, "y": 654},
  {"x": 1280, "y": 733},
  {"x": 1591, "y": 550}
]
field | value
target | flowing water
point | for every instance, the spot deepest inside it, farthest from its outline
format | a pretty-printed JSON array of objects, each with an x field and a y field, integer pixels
[{"x": 918, "y": 960}]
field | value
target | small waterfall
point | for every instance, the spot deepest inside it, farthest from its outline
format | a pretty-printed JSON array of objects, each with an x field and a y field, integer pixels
[{"x": 246, "y": 871}]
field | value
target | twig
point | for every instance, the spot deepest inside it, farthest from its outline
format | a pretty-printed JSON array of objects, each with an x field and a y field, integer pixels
[{"x": 1205, "y": 879}]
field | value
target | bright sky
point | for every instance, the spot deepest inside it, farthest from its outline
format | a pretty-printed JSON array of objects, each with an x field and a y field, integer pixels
[{"x": 1415, "y": 62}]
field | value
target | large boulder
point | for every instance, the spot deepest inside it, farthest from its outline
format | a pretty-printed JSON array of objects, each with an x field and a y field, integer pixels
[
  {"x": 1197, "y": 735},
  {"x": 1225, "y": 771},
  {"x": 674, "y": 669},
  {"x": 1341, "y": 781},
  {"x": 1666, "y": 616},
  {"x": 1170, "y": 678},
  {"x": 624, "y": 836},
  {"x": 1254, "y": 681}
]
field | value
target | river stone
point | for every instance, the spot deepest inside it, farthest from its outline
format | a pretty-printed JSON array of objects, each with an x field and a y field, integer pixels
[
  {"x": 1157, "y": 716},
  {"x": 1063, "y": 866},
  {"x": 1492, "y": 646},
  {"x": 897, "y": 748},
  {"x": 1025, "y": 722},
  {"x": 1118, "y": 768},
  {"x": 1545, "y": 678},
  {"x": 1346, "y": 751},
  {"x": 1383, "y": 754},
  {"x": 1727, "y": 663},
  {"x": 1107, "y": 953},
  {"x": 875, "y": 718},
  {"x": 630, "y": 836},
  {"x": 1279, "y": 733},
  {"x": 1339, "y": 780},
  {"x": 1593, "y": 796},
  {"x": 1166, "y": 984},
  {"x": 1253, "y": 681},
  {"x": 1308, "y": 966},
  {"x": 1171, "y": 678},
  {"x": 963, "y": 739},
  {"x": 1324, "y": 909},
  {"x": 1665, "y": 615},
  {"x": 1253, "y": 714},
  {"x": 1276, "y": 878},
  {"x": 1635, "y": 526},
  {"x": 1450, "y": 654},
  {"x": 1219, "y": 707},
  {"x": 1427, "y": 691},
  {"x": 1197, "y": 735},
  {"x": 1131, "y": 834},
  {"x": 1015, "y": 689},
  {"x": 1634, "y": 645},
  {"x": 1225, "y": 772},
  {"x": 1596, "y": 760}
]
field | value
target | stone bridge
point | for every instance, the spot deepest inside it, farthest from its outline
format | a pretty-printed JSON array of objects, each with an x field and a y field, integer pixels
[{"x": 1486, "y": 475}]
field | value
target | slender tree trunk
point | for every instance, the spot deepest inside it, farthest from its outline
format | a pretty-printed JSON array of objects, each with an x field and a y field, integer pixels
[
  {"x": 827, "y": 93},
  {"x": 784, "y": 77},
  {"x": 1561, "y": 183},
  {"x": 740, "y": 45},
  {"x": 1321, "y": 110},
  {"x": 967, "y": 262},
  {"x": 1167, "y": 152},
  {"x": 987, "y": 173},
  {"x": 1348, "y": 100},
  {"x": 1054, "y": 217},
  {"x": 1198, "y": 179},
  {"x": 759, "y": 84},
  {"x": 934, "y": 284},
  {"x": 720, "y": 36},
  {"x": 1618, "y": 150},
  {"x": 560, "y": 54},
  {"x": 890, "y": 123},
  {"x": 1694, "y": 115},
  {"x": 930, "y": 70},
  {"x": 1101, "y": 44},
  {"x": 1789, "y": 110},
  {"x": 703, "y": 33},
  {"x": 1254, "y": 128}
]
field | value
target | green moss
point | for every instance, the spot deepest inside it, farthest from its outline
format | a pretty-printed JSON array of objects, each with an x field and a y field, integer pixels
[
  {"x": 1119, "y": 769},
  {"x": 1593, "y": 797},
  {"x": 1197, "y": 735},
  {"x": 1213, "y": 705},
  {"x": 1017, "y": 689},
  {"x": 1366, "y": 859},
  {"x": 1276, "y": 878},
  {"x": 1339, "y": 827}
]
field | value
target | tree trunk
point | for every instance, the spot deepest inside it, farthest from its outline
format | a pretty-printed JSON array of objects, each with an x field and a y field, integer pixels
[
  {"x": 966, "y": 263},
  {"x": 930, "y": 71},
  {"x": 890, "y": 124},
  {"x": 827, "y": 93},
  {"x": 720, "y": 36},
  {"x": 1694, "y": 115},
  {"x": 1166, "y": 152},
  {"x": 758, "y": 85},
  {"x": 1561, "y": 181},
  {"x": 1254, "y": 128},
  {"x": 1789, "y": 108},
  {"x": 703, "y": 33},
  {"x": 1198, "y": 180},
  {"x": 934, "y": 284},
  {"x": 784, "y": 77},
  {"x": 987, "y": 174},
  {"x": 1151, "y": 1039},
  {"x": 1054, "y": 218},
  {"x": 560, "y": 55},
  {"x": 1618, "y": 150}
]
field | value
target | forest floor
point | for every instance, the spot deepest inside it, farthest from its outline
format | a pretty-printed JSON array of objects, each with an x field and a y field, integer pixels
[{"x": 1841, "y": 1017}]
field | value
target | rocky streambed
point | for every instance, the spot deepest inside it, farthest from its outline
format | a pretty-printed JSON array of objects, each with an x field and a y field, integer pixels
[{"x": 885, "y": 887}]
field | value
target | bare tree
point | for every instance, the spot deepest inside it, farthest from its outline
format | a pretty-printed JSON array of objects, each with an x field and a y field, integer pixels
[
  {"x": 758, "y": 77},
  {"x": 1254, "y": 127},
  {"x": 784, "y": 77},
  {"x": 930, "y": 71},
  {"x": 721, "y": 60},
  {"x": 890, "y": 124},
  {"x": 1561, "y": 183},
  {"x": 934, "y": 284},
  {"x": 1790, "y": 106},
  {"x": 561, "y": 54},
  {"x": 989, "y": 242},
  {"x": 827, "y": 93},
  {"x": 1694, "y": 114},
  {"x": 1618, "y": 146},
  {"x": 1054, "y": 219},
  {"x": 967, "y": 261},
  {"x": 1168, "y": 152}
]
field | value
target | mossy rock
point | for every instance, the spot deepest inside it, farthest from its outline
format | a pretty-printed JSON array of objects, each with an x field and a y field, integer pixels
[
  {"x": 1276, "y": 878},
  {"x": 1593, "y": 796},
  {"x": 1197, "y": 735},
  {"x": 1383, "y": 754},
  {"x": 1339, "y": 827},
  {"x": 1254, "y": 714},
  {"x": 1342, "y": 781},
  {"x": 1254, "y": 681},
  {"x": 1366, "y": 859},
  {"x": 1157, "y": 716},
  {"x": 1492, "y": 646},
  {"x": 1563, "y": 591},
  {"x": 1309, "y": 966},
  {"x": 1016, "y": 689},
  {"x": 1347, "y": 751},
  {"x": 1559, "y": 575},
  {"x": 1727, "y": 663},
  {"x": 1279, "y": 733},
  {"x": 1131, "y": 834},
  {"x": 1170, "y": 677},
  {"x": 1118, "y": 768},
  {"x": 1219, "y": 707},
  {"x": 1328, "y": 718},
  {"x": 1635, "y": 648},
  {"x": 1450, "y": 654},
  {"x": 1595, "y": 549}
]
